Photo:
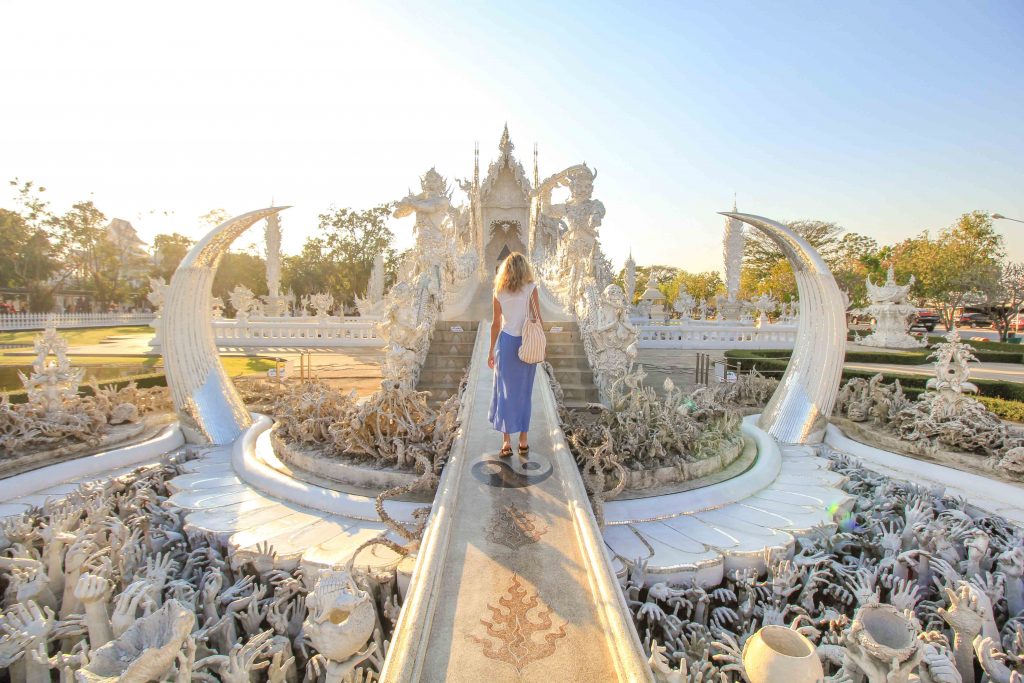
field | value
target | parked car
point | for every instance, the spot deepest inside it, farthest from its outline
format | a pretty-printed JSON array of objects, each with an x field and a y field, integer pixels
[
  {"x": 926, "y": 318},
  {"x": 974, "y": 320}
]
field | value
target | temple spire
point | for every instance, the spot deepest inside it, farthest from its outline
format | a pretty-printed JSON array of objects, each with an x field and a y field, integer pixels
[
  {"x": 476, "y": 166},
  {"x": 506, "y": 145},
  {"x": 536, "y": 173}
]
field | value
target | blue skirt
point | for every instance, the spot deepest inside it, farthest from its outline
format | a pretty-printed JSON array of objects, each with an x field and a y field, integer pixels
[{"x": 513, "y": 387}]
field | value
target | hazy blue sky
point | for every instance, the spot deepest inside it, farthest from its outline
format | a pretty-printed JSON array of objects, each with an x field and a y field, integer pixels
[{"x": 888, "y": 118}]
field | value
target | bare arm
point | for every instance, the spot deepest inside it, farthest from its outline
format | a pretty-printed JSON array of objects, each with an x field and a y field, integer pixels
[{"x": 495, "y": 329}]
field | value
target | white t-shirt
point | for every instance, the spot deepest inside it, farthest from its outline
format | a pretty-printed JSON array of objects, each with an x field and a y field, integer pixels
[{"x": 514, "y": 309}]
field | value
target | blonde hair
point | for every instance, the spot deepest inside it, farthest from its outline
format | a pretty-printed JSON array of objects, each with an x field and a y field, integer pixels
[{"x": 513, "y": 273}]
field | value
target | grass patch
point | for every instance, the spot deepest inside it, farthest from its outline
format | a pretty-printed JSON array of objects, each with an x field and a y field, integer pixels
[
  {"x": 145, "y": 366},
  {"x": 76, "y": 337},
  {"x": 10, "y": 358}
]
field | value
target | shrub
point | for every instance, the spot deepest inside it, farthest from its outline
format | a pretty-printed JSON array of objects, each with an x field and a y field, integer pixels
[
  {"x": 773, "y": 366},
  {"x": 1007, "y": 410}
]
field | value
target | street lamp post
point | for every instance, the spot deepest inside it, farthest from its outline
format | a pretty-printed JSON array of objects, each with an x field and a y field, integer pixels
[{"x": 1001, "y": 217}]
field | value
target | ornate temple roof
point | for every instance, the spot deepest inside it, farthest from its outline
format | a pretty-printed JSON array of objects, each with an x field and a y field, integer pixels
[{"x": 505, "y": 160}]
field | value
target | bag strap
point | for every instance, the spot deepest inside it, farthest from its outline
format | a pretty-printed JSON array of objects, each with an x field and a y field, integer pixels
[{"x": 530, "y": 307}]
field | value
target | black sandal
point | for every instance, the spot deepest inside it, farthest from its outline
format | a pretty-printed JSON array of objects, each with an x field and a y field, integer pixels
[
  {"x": 524, "y": 451},
  {"x": 506, "y": 451}
]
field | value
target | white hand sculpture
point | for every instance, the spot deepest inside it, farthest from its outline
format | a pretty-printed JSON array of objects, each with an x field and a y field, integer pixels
[{"x": 94, "y": 592}]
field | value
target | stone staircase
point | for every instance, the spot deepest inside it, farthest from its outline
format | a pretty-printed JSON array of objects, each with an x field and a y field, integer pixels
[
  {"x": 450, "y": 352},
  {"x": 572, "y": 370},
  {"x": 448, "y": 358}
]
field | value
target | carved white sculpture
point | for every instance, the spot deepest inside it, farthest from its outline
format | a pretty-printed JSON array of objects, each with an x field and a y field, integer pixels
[
  {"x": 763, "y": 304},
  {"x": 776, "y": 653},
  {"x": 431, "y": 206},
  {"x": 275, "y": 304},
  {"x": 654, "y": 301},
  {"x": 155, "y": 297},
  {"x": 733, "y": 242},
  {"x": 952, "y": 369},
  {"x": 614, "y": 338},
  {"x": 146, "y": 651},
  {"x": 629, "y": 279},
  {"x": 321, "y": 303},
  {"x": 582, "y": 215},
  {"x": 892, "y": 314},
  {"x": 208, "y": 406},
  {"x": 340, "y": 622},
  {"x": 371, "y": 304},
  {"x": 684, "y": 303},
  {"x": 799, "y": 410},
  {"x": 243, "y": 301},
  {"x": 53, "y": 382}
]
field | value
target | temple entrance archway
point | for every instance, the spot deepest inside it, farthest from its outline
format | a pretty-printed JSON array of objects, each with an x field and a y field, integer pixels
[
  {"x": 502, "y": 255},
  {"x": 505, "y": 238}
]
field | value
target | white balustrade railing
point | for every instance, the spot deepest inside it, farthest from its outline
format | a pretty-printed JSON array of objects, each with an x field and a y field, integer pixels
[
  {"x": 712, "y": 335},
  {"x": 39, "y": 321},
  {"x": 297, "y": 332}
]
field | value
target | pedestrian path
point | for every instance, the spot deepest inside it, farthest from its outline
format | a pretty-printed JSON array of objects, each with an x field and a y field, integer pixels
[{"x": 512, "y": 582}]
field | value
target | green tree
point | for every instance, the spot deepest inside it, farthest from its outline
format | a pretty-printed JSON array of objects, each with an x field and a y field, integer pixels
[
  {"x": 857, "y": 257},
  {"x": 240, "y": 268},
  {"x": 339, "y": 260},
  {"x": 1006, "y": 298},
  {"x": 765, "y": 268},
  {"x": 960, "y": 266},
  {"x": 706, "y": 285},
  {"x": 28, "y": 258},
  {"x": 168, "y": 251},
  {"x": 89, "y": 257}
]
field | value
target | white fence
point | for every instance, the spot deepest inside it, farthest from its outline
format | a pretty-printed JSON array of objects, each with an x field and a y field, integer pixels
[
  {"x": 714, "y": 335},
  {"x": 39, "y": 321},
  {"x": 297, "y": 332}
]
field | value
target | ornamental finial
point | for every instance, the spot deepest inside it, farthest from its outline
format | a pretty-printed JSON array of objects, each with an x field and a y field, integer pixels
[{"x": 506, "y": 145}]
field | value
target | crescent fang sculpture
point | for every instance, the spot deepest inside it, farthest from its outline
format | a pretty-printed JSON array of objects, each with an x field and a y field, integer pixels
[
  {"x": 208, "y": 406},
  {"x": 798, "y": 410}
]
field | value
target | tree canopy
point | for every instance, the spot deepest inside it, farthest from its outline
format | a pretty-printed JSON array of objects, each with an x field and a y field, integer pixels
[{"x": 340, "y": 258}]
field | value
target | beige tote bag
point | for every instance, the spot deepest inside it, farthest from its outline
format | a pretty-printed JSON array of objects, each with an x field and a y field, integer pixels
[{"x": 533, "y": 346}]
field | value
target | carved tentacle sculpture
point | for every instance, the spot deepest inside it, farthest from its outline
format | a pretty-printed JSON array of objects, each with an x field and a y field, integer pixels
[
  {"x": 209, "y": 408},
  {"x": 799, "y": 409}
]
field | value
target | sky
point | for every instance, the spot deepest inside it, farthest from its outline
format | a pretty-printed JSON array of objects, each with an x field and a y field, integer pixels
[{"x": 886, "y": 118}]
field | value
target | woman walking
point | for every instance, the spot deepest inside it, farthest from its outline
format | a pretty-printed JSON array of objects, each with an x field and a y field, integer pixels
[{"x": 514, "y": 295}]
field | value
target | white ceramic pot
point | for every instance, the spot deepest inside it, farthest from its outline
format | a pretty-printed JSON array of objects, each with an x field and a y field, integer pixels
[
  {"x": 882, "y": 631},
  {"x": 777, "y": 653}
]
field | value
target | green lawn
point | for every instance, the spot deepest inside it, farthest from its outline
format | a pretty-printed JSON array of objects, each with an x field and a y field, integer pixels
[
  {"x": 110, "y": 367},
  {"x": 76, "y": 337}
]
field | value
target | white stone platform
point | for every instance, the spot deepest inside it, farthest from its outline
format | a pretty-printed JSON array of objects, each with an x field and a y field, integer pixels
[
  {"x": 984, "y": 493},
  {"x": 253, "y": 522},
  {"x": 703, "y": 533},
  {"x": 24, "y": 491}
]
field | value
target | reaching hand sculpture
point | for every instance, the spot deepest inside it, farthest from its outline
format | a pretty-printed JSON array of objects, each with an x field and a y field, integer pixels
[{"x": 146, "y": 651}]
